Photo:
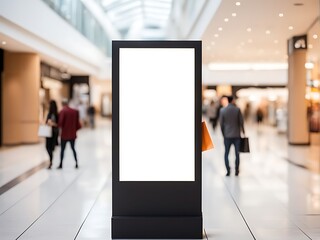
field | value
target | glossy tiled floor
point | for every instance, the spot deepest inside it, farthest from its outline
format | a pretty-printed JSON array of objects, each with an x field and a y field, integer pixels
[{"x": 276, "y": 196}]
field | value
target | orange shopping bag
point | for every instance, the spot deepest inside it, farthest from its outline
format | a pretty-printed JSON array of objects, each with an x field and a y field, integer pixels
[{"x": 206, "y": 139}]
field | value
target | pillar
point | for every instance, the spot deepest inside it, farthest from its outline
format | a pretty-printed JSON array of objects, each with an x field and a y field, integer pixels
[
  {"x": 298, "y": 130},
  {"x": 20, "y": 98}
]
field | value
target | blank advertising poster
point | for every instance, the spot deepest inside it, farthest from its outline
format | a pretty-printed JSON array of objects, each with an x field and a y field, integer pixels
[{"x": 156, "y": 114}]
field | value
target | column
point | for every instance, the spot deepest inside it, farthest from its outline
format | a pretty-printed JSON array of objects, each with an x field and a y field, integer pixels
[
  {"x": 298, "y": 130},
  {"x": 20, "y": 98}
]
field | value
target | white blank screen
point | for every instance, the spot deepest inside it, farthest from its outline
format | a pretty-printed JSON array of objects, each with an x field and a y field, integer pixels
[{"x": 156, "y": 114}]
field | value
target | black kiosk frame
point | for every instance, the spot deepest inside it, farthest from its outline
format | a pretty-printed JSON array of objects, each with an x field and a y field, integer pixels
[{"x": 156, "y": 209}]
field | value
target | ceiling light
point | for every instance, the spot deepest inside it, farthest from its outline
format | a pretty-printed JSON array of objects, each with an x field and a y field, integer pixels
[
  {"x": 233, "y": 14},
  {"x": 316, "y": 83},
  {"x": 220, "y": 28},
  {"x": 275, "y": 41},
  {"x": 216, "y": 35},
  {"x": 247, "y": 66},
  {"x": 268, "y": 32},
  {"x": 315, "y": 36},
  {"x": 4, "y": 42},
  {"x": 249, "y": 29},
  {"x": 309, "y": 65},
  {"x": 272, "y": 97},
  {"x": 226, "y": 19},
  {"x": 280, "y": 14},
  {"x": 310, "y": 46},
  {"x": 290, "y": 28},
  {"x": 238, "y": 3}
]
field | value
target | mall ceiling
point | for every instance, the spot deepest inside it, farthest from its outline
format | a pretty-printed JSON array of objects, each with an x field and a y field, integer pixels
[
  {"x": 258, "y": 30},
  {"x": 240, "y": 31}
]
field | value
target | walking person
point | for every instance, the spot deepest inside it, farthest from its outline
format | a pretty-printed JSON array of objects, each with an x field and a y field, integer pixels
[
  {"x": 231, "y": 123},
  {"x": 52, "y": 121},
  {"x": 69, "y": 124},
  {"x": 212, "y": 114},
  {"x": 259, "y": 115},
  {"x": 91, "y": 114}
]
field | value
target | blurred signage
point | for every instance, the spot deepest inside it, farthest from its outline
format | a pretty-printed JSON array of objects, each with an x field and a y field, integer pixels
[{"x": 297, "y": 43}]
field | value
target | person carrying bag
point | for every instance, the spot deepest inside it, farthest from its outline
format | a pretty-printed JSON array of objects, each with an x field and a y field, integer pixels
[{"x": 52, "y": 122}]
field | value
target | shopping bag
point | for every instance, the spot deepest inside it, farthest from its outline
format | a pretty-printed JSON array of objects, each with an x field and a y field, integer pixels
[
  {"x": 44, "y": 131},
  {"x": 244, "y": 145},
  {"x": 206, "y": 139}
]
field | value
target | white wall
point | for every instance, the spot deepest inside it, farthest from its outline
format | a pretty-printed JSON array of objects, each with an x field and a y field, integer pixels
[
  {"x": 244, "y": 77},
  {"x": 35, "y": 25}
]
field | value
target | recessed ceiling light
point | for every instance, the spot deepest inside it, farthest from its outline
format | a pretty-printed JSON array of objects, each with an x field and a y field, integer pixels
[
  {"x": 275, "y": 41},
  {"x": 226, "y": 19},
  {"x": 310, "y": 46},
  {"x": 315, "y": 36},
  {"x": 290, "y": 28},
  {"x": 309, "y": 65},
  {"x": 268, "y": 32},
  {"x": 220, "y": 28},
  {"x": 4, "y": 42},
  {"x": 238, "y": 3},
  {"x": 233, "y": 14},
  {"x": 280, "y": 14},
  {"x": 216, "y": 35},
  {"x": 249, "y": 29}
]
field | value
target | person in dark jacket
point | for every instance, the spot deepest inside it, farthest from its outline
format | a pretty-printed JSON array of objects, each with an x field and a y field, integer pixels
[
  {"x": 91, "y": 112},
  {"x": 69, "y": 124},
  {"x": 231, "y": 123},
  {"x": 52, "y": 120}
]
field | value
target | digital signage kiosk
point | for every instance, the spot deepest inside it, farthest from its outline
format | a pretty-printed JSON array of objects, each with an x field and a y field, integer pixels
[{"x": 156, "y": 139}]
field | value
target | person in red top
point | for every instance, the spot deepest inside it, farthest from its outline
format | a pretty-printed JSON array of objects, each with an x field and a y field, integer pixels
[{"x": 69, "y": 124}]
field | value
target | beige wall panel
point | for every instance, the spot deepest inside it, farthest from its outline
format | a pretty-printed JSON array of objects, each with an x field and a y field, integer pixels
[
  {"x": 298, "y": 132},
  {"x": 29, "y": 132},
  {"x": 21, "y": 81},
  {"x": 30, "y": 82},
  {"x": 11, "y": 133}
]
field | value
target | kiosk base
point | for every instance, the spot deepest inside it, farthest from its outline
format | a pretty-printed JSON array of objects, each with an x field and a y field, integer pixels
[{"x": 157, "y": 227}]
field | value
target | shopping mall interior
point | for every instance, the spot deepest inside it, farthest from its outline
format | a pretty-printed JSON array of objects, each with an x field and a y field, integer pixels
[{"x": 265, "y": 53}]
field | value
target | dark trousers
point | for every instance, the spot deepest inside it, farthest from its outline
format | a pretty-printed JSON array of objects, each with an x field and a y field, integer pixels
[
  {"x": 227, "y": 144},
  {"x": 51, "y": 143},
  {"x": 63, "y": 146}
]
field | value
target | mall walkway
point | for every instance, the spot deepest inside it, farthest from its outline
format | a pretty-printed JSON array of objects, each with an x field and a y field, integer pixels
[{"x": 276, "y": 196}]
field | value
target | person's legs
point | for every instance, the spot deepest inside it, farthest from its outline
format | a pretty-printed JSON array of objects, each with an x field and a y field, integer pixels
[
  {"x": 214, "y": 123},
  {"x": 237, "y": 149},
  {"x": 72, "y": 142},
  {"x": 227, "y": 145},
  {"x": 63, "y": 146},
  {"x": 49, "y": 150}
]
